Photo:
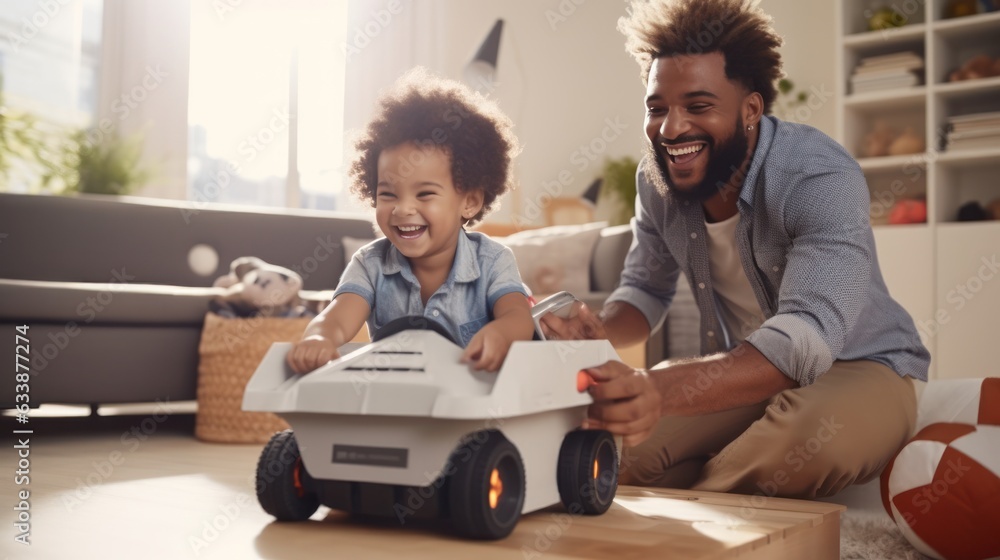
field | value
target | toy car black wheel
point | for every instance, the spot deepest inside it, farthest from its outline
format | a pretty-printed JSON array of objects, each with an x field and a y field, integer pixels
[
  {"x": 282, "y": 480},
  {"x": 588, "y": 471},
  {"x": 486, "y": 486}
]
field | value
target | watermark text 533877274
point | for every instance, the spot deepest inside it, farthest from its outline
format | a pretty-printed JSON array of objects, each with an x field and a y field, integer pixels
[{"x": 22, "y": 436}]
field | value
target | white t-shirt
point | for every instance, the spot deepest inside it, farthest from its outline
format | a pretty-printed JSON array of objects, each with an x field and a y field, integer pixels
[{"x": 739, "y": 309}]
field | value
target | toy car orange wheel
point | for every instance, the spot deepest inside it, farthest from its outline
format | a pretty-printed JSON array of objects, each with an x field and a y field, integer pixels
[
  {"x": 486, "y": 487},
  {"x": 282, "y": 481},
  {"x": 588, "y": 471}
]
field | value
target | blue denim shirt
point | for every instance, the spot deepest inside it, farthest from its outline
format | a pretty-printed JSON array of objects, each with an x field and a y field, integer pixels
[
  {"x": 482, "y": 273},
  {"x": 806, "y": 245}
]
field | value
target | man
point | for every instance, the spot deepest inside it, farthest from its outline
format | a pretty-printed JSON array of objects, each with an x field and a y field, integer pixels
[{"x": 807, "y": 382}]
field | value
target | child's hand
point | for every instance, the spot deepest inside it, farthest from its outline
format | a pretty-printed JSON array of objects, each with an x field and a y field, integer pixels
[
  {"x": 310, "y": 353},
  {"x": 487, "y": 349}
]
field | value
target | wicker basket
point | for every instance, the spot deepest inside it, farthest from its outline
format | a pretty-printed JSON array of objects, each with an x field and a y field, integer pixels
[{"x": 230, "y": 351}]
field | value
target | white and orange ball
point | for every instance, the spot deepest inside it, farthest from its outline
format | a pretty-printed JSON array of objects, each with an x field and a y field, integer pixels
[{"x": 943, "y": 488}]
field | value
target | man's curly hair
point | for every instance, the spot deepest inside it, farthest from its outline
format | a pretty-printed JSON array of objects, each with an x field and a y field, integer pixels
[
  {"x": 738, "y": 29},
  {"x": 438, "y": 113}
]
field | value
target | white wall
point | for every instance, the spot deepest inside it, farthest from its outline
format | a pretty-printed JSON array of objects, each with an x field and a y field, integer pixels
[
  {"x": 809, "y": 56},
  {"x": 564, "y": 77}
]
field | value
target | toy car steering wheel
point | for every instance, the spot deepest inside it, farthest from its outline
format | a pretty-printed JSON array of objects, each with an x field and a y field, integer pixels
[{"x": 410, "y": 323}]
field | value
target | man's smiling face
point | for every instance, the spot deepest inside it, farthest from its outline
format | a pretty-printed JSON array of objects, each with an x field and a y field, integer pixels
[{"x": 695, "y": 126}]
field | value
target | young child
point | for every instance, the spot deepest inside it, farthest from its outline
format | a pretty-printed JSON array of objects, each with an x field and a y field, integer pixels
[{"x": 433, "y": 160}]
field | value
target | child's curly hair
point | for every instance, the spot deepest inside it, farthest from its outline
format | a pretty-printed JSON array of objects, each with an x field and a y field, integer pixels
[
  {"x": 444, "y": 114},
  {"x": 738, "y": 29}
]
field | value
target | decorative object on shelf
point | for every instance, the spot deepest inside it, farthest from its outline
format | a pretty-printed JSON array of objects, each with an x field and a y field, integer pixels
[
  {"x": 973, "y": 212},
  {"x": 889, "y": 71},
  {"x": 908, "y": 211},
  {"x": 876, "y": 142},
  {"x": 979, "y": 66},
  {"x": 884, "y": 140},
  {"x": 960, "y": 8},
  {"x": 881, "y": 17},
  {"x": 994, "y": 208},
  {"x": 972, "y": 132},
  {"x": 909, "y": 142},
  {"x": 619, "y": 184}
]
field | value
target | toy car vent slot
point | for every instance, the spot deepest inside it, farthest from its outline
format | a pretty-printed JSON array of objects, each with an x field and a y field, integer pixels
[
  {"x": 375, "y": 368},
  {"x": 388, "y": 361}
]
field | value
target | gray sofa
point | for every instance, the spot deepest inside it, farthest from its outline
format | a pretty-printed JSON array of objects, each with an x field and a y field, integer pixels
[{"x": 114, "y": 309}]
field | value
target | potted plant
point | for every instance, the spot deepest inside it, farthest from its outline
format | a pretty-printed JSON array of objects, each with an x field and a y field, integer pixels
[
  {"x": 48, "y": 158},
  {"x": 618, "y": 185}
]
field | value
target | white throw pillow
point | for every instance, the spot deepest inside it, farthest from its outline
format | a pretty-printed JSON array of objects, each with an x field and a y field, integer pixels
[{"x": 555, "y": 258}]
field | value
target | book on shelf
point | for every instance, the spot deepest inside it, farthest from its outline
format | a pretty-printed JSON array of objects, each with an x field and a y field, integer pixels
[
  {"x": 863, "y": 69},
  {"x": 983, "y": 143},
  {"x": 898, "y": 61},
  {"x": 884, "y": 83},
  {"x": 984, "y": 132},
  {"x": 975, "y": 118},
  {"x": 893, "y": 58},
  {"x": 974, "y": 126},
  {"x": 892, "y": 71}
]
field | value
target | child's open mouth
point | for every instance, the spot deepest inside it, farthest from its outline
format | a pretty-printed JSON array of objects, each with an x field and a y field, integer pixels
[
  {"x": 681, "y": 156},
  {"x": 410, "y": 232}
]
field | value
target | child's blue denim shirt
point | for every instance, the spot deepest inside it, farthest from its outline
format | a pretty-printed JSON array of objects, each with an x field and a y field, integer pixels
[{"x": 482, "y": 273}]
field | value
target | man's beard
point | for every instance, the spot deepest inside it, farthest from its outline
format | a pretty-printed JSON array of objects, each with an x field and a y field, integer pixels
[{"x": 723, "y": 164}]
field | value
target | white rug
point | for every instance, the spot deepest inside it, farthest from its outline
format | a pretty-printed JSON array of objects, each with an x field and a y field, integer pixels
[{"x": 866, "y": 535}]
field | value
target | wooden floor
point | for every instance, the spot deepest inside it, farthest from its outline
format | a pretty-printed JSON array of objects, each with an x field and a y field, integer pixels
[{"x": 133, "y": 487}]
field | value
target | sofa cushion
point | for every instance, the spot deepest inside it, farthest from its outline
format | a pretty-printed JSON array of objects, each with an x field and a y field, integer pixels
[
  {"x": 111, "y": 303},
  {"x": 90, "y": 238},
  {"x": 609, "y": 258},
  {"x": 555, "y": 258}
]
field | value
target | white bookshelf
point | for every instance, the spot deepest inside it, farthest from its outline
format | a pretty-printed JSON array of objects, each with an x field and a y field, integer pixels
[{"x": 931, "y": 268}]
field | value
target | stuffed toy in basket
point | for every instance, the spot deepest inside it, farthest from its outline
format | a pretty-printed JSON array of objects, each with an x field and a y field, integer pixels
[{"x": 261, "y": 305}]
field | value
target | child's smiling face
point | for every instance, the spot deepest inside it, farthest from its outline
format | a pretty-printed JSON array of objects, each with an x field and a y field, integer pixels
[{"x": 417, "y": 206}]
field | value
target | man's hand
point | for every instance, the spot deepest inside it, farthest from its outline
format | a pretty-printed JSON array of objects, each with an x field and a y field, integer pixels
[
  {"x": 488, "y": 348},
  {"x": 310, "y": 353},
  {"x": 584, "y": 325},
  {"x": 626, "y": 402}
]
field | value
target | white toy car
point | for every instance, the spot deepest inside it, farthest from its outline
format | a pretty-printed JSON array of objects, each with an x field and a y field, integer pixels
[{"x": 399, "y": 427}]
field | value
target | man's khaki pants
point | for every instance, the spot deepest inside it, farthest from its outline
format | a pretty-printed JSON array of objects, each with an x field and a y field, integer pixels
[{"x": 806, "y": 442}]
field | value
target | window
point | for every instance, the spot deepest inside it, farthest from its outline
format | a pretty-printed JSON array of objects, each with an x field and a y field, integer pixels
[
  {"x": 265, "y": 111},
  {"x": 50, "y": 55}
]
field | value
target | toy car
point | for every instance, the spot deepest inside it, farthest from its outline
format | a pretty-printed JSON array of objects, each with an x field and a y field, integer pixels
[{"x": 400, "y": 427}]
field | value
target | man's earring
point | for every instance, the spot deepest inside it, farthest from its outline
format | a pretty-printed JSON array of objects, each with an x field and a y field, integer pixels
[{"x": 749, "y": 127}]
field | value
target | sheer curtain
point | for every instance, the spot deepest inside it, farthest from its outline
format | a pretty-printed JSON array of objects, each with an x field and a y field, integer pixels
[
  {"x": 144, "y": 86},
  {"x": 384, "y": 40}
]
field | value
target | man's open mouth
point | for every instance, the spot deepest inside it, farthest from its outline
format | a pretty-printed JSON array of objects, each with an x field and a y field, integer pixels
[{"x": 684, "y": 154}]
